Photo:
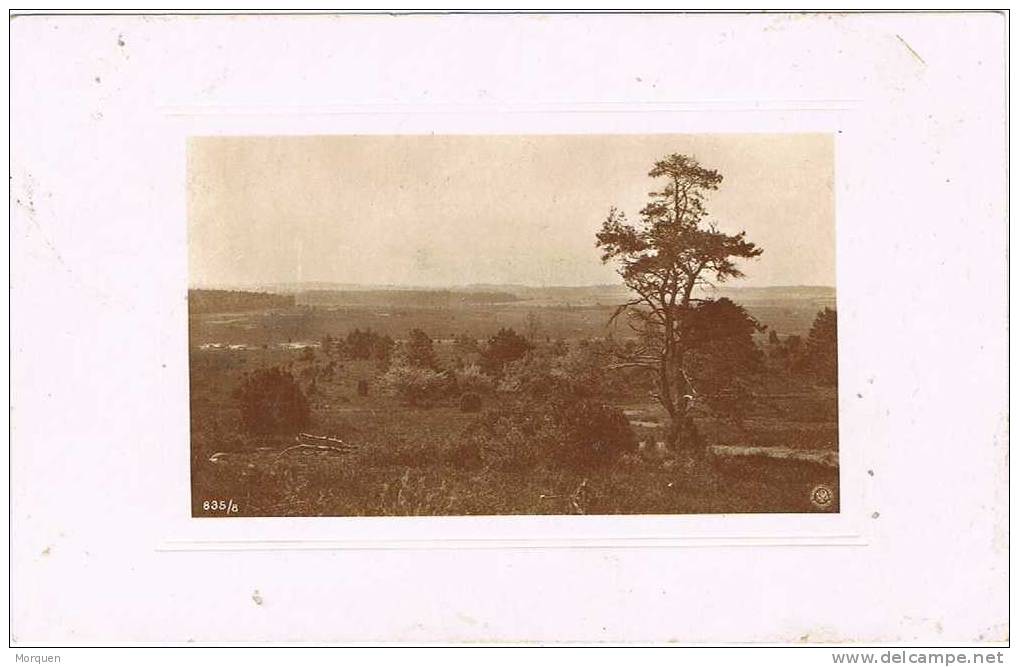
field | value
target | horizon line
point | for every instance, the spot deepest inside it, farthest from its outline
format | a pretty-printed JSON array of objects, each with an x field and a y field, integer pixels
[{"x": 343, "y": 286}]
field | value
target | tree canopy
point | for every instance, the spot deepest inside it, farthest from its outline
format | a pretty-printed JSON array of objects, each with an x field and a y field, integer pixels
[
  {"x": 502, "y": 348},
  {"x": 663, "y": 257},
  {"x": 822, "y": 354}
]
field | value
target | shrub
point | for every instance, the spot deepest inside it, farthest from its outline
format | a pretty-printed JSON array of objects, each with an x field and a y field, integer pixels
[
  {"x": 531, "y": 380},
  {"x": 271, "y": 401},
  {"x": 509, "y": 439},
  {"x": 368, "y": 345},
  {"x": 502, "y": 348},
  {"x": 471, "y": 378},
  {"x": 591, "y": 433},
  {"x": 719, "y": 336},
  {"x": 327, "y": 345},
  {"x": 470, "y": 402},
  {"x": 723, "y": 360},
  {"x": 412, "y": 385},
  {"x": 447, "y": 385},
  {"x": 822, "y": 347},
  {"x": 583, "y": 370},
  {"x": 419, "y": 351},
  {"x": 573, "y": 433}
]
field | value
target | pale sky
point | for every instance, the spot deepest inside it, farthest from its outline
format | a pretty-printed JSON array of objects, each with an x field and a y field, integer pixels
[{"x": 454, "y": 210}]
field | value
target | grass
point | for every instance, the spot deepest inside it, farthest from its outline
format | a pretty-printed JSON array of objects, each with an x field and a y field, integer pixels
[
  {"x": 411, "y": 462},
  {"x": 552, "y": 321},
  {"x": 318, "y": 484},
  {"x": 414, "y": 462}
]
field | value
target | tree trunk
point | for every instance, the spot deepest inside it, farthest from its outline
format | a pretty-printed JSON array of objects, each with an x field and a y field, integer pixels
[
  {"x": 682, "y": 432},
  {"x": 665, "y": 373},
  {"x": 686, "y": 436},
  {"x": 665, "y": 391}
]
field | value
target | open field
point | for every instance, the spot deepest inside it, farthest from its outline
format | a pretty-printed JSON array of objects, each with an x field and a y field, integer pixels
[
  {"x": 586, "y": 317},
  {"x": 410, "y": 460}
]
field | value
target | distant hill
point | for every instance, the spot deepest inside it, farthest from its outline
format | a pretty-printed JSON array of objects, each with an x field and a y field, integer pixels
[
  {"x": 235, "y": 301},
  {"x": 778, "y": 292},
  {"x": 407, "y": 298},
  {"x": 353, "y": 295},
  {"x": 609, "y": 294},
  {"x": 587, "y": 294}
]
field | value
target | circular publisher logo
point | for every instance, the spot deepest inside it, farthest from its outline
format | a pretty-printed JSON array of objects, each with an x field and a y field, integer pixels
[{"x": 822, "y": 496}]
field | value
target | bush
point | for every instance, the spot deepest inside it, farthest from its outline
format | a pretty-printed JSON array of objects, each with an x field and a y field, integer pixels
[
  {"x": 509, "y": 439},
  {"x": 448, "y": 387},
  {"x": 470, "y": 402},
  {"x": 723, "y": 360},
  {"x": 583, "y": 369},
  {"x": 791, "y": 352},
  {"x": 368, "y": 345},
  {"x": 471, "y": 378},
  {"x": 271, "y": 401},
  {"x": 591, "y": 433},
  {"x": 419, "y": 351},
  {"x": 571, "y": 433},
  {"x": 414, "y": 386},
  {"x": 504, "y": 347},
  {"x": 822, "y": 347},
  {"x": 719, "y": 336},
  {"x": 531, "y": 379},
  {"x": 541, "y": 376}
]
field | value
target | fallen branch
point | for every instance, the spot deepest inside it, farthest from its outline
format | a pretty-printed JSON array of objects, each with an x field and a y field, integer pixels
[
  {"x": 631, "y": 364},
  {"x": 340, "y": 447},
  {"x": 320, "y": 448},
  {"x": 322, "y": 438}
]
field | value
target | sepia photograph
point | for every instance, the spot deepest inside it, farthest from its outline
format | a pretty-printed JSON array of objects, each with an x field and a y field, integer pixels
[
  {"x": 452, "y": 328},
  {"x": 489, "y": 325}
]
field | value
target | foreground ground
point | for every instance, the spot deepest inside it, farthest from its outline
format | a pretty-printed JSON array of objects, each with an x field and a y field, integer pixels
[
  {"x": 262, "y": 483},
  {"x": 410, "y": 461}
]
